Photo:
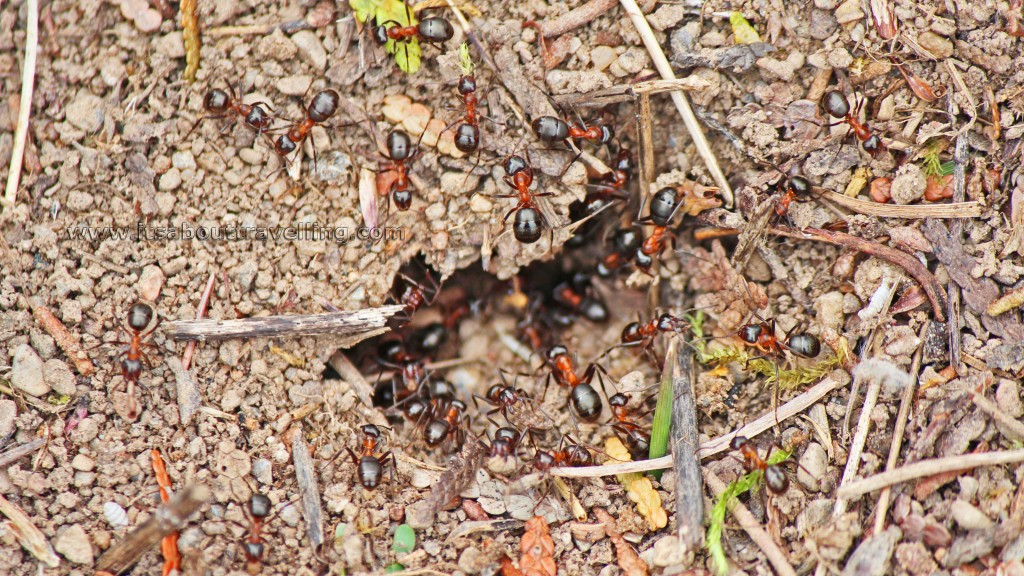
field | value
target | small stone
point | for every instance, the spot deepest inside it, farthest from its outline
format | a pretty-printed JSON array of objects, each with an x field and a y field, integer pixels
[
  {"x": 183, "y": 160},
  {"x": 848, "y": 12},
  {"x": 276, "y": 46},
  {"x": 480, "y": 204},
  {"x": 151, "y": 282},
  {"x": 230, "y": 461},
  {"x": 263, "y": 471},
  {"x": 939, "y": 46},
  {"x": 1007, "y": 397},
  {"x": 8, "y": 412},
  {"x": 230, "y": 400},
  {"x": 170, "y": 45},
  {"x": 969, "y": 517},
  {"x": 86, "y": 431},
  {"x": 85, "y": 112},
  {"x": 294, "y": 85},
  {"x": 170, "y": 180},
  {"x": 174, "y": 265},
  {"x": 908, "y": 185},
  {"x": 668, "y": 552},
  {"x": 290, "y": 515},
  {"x": 27, "y": 372},
  {"x": 73, "y": 544},
  {"x": 602, "y": 57},
  {"x": 233, "y": 177},
  {"x": 395, "y": 107},
  {"x": 632, "y": 60},
  {"x": 822, "y": 24},
  {"x": 83, "y": 463},
  {"x": 112, "y": 70},
  {"x": 826, "y": 4},
  {"x": 148, "y": 20},
  {"x": 416, "y": 117},
  {"x": 79, "y": 201},
  {"x": 310, "y": 49},
  {"x": 84, "y": 479},
  {"x": 813, "y": 465},
  {"x": 59, "y": 377},
  {"x": 782, "y": 69}
]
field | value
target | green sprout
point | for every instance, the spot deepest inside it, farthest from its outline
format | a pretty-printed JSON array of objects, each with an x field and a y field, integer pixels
[
  {"x": 725, "y": 501},
  {"x": 465, "y": 60},
  {"x": 392, "y": 12},
  {"x": 662, "y": 419}
]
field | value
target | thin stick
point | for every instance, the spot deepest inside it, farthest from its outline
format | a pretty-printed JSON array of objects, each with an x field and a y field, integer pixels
[
  {"x": 682, "y": 104},
  {"x": 288, "y": 27},
  {"x": 926, "y": 468},
  {"x": 901, "y": 427},
  {"x": 628, "y": 92},
  {"x": 753, "y": 529},
  {"x": 646, "y": 138},
  {"x": 67, "y": 341},
  {"x": 28, "y": 534},
  {"x": 684, "y": 440},
  {"x": 573, "y": 19},
  {"x": 186, "y": 358},
  {"x": 167, "y": 518},
  {"x": 28, "y": 78},
  {"x": 860, "y": 437},
  {"x": 334, "y": 324},
  {"x": 1011, "y": 424},
  {"x": 717, "y": 445},
  {"x": 351, "y": 375},
  {"x": 312, "y": 509},
  {"x": 19, "y": 452},
  {"x": 913, "y": 211}
]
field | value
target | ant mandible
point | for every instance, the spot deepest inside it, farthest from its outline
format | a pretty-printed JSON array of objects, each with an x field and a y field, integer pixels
[
  {"x": 370, "y": 464},
  {"x": 836, "y": 105},
  {"x": 323, "y": 105},
  {"x": 529, "y": 222},
  {"x": 774, "y": 477},
  {"x": 221, "y": 104}
]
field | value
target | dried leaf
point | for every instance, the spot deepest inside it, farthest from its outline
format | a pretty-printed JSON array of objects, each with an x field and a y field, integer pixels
[
  {"x": 884, "y": 19},
  {"x": 537, "y": 549},
  {"x": 638, "y": 487},
  {"x": 724, "y": 291},
  {"x": 743, "y": 32},
  {"x": 697, "y": 198},
  {"x": 628, "y": 559}
]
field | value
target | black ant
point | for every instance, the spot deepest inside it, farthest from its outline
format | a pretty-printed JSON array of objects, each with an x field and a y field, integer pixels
[
  {"x": 836, "y": 105},
  {"x": 131, "y": 355},
  {"x": 401, "y": 152},
  {"x": 629, "y": 430},
  {"x": 664, "y": 206},
  {"x": 221, "y": 104},
  {"x": 434, "y": 29},
  {"x": 574, "y": 295},
  {"x": 447, "y": 423},
  {"x": 529, "y": 222},
  {"x": 643, "y": 333},
  {"x": 415, "y": 296},
  {"x": 412, "y": 371},
  {"x": 584, "y": 397},
  {"x": 761, "y": 335},
  {"x": 254, "y": 547},
  {"x": 774, "y": 477},
  {"x": 505, "y": 443},
  {"x": 551, "y": 129},
  {"x": 516, "y": 406},
  {"x": 323, "y": 105},
  {"x": 624, "y": 242},
  {"x": 573, "y": 454},
  {"x": 370, "y": 464},
  {"x": 794, "y": 189},
  {"x": 604, "y": 193}
]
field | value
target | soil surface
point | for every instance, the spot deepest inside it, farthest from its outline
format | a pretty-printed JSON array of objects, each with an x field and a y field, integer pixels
[{"x": 114, "y": 144}]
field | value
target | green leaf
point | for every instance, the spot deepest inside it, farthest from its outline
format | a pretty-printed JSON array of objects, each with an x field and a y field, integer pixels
[
  {"x": 408, "y": 53},
  {"x": 465, "y": 60},
  {"x": 396, "y": 567},
  {"x": 743, "y": 32},
  {"x": 364, "y": 9},
  {"x": 947, "y": 168},
  {"x": 405, "y": 539}
]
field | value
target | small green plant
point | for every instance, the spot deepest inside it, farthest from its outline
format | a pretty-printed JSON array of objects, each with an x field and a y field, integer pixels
[
  {"x": 725, "y": 501},
  {"x": 404, "y": 543},
  {"x": 395, "y": 13},
  {"x": 465, "y": 60}
]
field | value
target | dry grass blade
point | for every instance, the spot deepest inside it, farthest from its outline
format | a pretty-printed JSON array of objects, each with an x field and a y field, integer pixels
[
  {"x": 67, "y": 341},
  {"x": 356, "y": 325},
  {"x": 190, "y": 35},
  {"x": 682, "y": 104},
  {"x": 27, "y": 534},
  {"x": 19, "y": 452},
  {"x": 28, "y": 78},
  {"x": 627, "y": 558},
  {"x": 204, "y": 302},
  {"x": 910, "y": 211},
  {"x": 628, "y": 92},
  {"x": 929, "y": 468}
]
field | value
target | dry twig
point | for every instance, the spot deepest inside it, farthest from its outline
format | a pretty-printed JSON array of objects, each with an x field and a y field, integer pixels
[
  {"x": 579, "y": 16},
  {"x": 684, "y": 440},
  {"x": 312, "y": 509},
  {"x": 356, "y": 325},
  {"x": 19, "y": 452},
  {"x": 67, "y": 341},
  {"x": 929, "y": 468},
  {"x": 910, "y": 211},
  {"x": 186, "y": 358},
  {"x": 190, "y": 399},
  {"x": 28, "y": 78},
  {"x": 28, "y": 535}
]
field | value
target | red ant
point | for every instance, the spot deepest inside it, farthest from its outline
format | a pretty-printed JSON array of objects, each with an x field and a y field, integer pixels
[
  {"x": 552, "y": 129},
  {"x": 573, "y": 295},
  {"x": 447, "y": 423},
  {"x": 604, "y": 193},
  {"x": 516, "y": 406},
  {"x": 629, "y": 430},
  {"x": 259, "y": 510},
  {"x": 131, "y": 355},
  {"x": 664, "y": 206},
  {"x": 467, "y": 132},
  {"x": 401, "y": 152},
  {"x": 221, "y": 104},
  {"x": 794, "y": 189},
  {"x": 624, "y": 242},
  {"x": 370, "y": 464},
  {"x": 761, "y": 335},
  {"x": 323, "y": 105},
  {"x": 415, "y": 296},
  {"x": 584, "y": 397},
  {"x": 505, "y": 443},
  {"x": 433, "y": 29},
  {"x": 529, "y": 222},
  {"x": 411, "y": 370},
  {"x": 836, "y": 105},
  {"x": 643, "y": 333},
  {"x": 774, "y": 477}
]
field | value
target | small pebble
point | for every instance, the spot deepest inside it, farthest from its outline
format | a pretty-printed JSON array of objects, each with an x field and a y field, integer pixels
[
  {"x": 85, "y": 112},
  {"x": 310, "y": 49},
  {"x": 170, "y": 180},
  {"x": 290, "y": 515},
  {"x": 59, "y": 377},
  {"x": 174, "y": 265},
  {"x": 27, "y": 372},
  {"x": 183, "y": 160},
  {"x": 230, "y": 461},
  {"x": 602, "y": 57},
  {"x": 416, "y": 118},
  {"x": 170, "y": 45},
  {"x": 83, "y": 463},
  {"x": 115, "y": 515},
  {"x": 480, "y": 204},
  {"x": 813, "y": 465},
  {"x": 848, "y": 12},
  {"x": 908, "y": 185},
  {"x": 150, "y": 283},
  {"x": 276, "y": 46},
  {"x": 294, "y": 85},
  {"x": 939, "y": 46},
  {"x": 233, "y": 177},
  {"x": 148, "y": 20},
  {"x": 395, "y": 107},
  {"x": 667, "y": 551},
  {"x": 262, "y": 471},
  {"x": 8, "y": 412},
  {"x": 1007, "y": 397},
  {"x": 73, "y": 544},
  {"x": 969, "y": 517}
]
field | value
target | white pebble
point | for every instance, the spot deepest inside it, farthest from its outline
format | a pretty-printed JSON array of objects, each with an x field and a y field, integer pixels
[{"x": 115, "y": 515}]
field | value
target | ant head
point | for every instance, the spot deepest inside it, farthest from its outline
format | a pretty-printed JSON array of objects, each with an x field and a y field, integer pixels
[
  {"x": 663, "y": 206},
  {"x": 668, "y": 322},
  {"x": 467, "y": 84},
  {"x": 515, "y": 164},
  {"x": 835, "y": 104},
  {"x": 440, "y": 389},
  {"x": 618, "y": 400},
  {"x": 323, "y": 105},
  {"x": 459, "y": 405},
  {"x": 528, "y": 225},
  {"x": 738, "y": 442},
  {"x": 550, "y": 129},
  {"x": 380, "y": 34},
  {"x": 557, "y": 350},
  {"x": 508, "y": 434},
  {"x": 140, "y": 316},
  {"x": 750, "y": 333},
  {"x": 216, "y": 101},
  {"x": 259, "y": 506},
  {"x": 399, "y": 145},
  {"x": 370, "y": 430}
]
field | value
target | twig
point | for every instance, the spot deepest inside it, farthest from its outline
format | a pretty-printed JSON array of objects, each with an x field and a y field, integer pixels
[
  {"x": 312, "y": 509},
  {"x": 573, "y": 19},
  {"x": 913, "y": 211},
  {"x": 684, "y": 440},
  {"x": 926, "y": 468},
  {"x": 718, "y": 445},
  {"x": 168, "y": 518},
  {"x": 1010, "y": 423},
  {"x": 186, "y": 358},
  {"x": 356, "y": 324},
  {"x": 682, "y": 104},
  {"x": 351, "y": 375},
  {"x": 906, "y": 401},
  {"x": 28, "y": 78},
  {"x": 27, "y": 534},
  {"x": 628, "y": 92},
  {"x": 288, "y": 27},
  {"x": 753, "y": 529},
  {"x": 67, "y": 341},
  {"x": 19, "y": 452},
  {"x": 956, "y": 230},
  {"x": 646, "y": 139},
  {"x": 190, "y": 399}
]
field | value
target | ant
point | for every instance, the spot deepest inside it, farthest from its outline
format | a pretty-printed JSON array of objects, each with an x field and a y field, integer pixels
[
  {"x": 663, "y": 209},
  {"x": 131, "y": 355},
  {"x": 513, "y": 404},
  {"x": 529, "y": 222},
  {"x": 629, "y": 430},
  {"x": 585, "y": 399},
  {"x": 604, "y": 193},
  {"x": 623, "y": 242},
  {"x": 434, "y": 29},
  {"x": 836, "y": 105},
  {"x": 551, "y": 129},
  {"x": 573, "y": 454},
  {"x": 411, "y": 370},
  {"x": 415, "y": 296},
  {"x": 761, "y": 335},
  {"x": 774, "y": 478},
  {"x": 450, "y": 416},
  {"x": 370, "y": 464},
  {"x": 574, "y": 296},
  {"x": 643, "y": 333},
  {"x": 467, "y": 128},
  {"x": 221, "y": 104},
  {"x": 400, "y": 151},
  {"x": 259, "y": 510},
  {"x": 794, "y": 189},
  {"x": 505, "y": 443},
  {"x": 323, "y": 105}
]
